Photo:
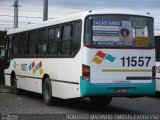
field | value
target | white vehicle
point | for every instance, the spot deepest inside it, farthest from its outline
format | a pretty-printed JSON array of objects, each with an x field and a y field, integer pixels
[
  {"x": 157, "y": 39},
  {"x": 89, "y": 54}
]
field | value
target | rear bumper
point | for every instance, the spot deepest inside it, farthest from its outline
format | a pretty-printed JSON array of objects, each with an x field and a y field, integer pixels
[{"x": 137, "y": 89}]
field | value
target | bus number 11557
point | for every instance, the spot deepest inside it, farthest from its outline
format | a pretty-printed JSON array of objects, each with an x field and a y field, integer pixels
[{"x": 135, "y": 61}]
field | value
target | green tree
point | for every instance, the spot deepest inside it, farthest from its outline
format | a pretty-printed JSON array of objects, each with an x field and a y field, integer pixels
[{"x": 2, "y": 37}]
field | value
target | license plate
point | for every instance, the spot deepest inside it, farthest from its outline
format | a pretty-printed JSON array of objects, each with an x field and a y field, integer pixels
[{"x": 121, "y": 90}]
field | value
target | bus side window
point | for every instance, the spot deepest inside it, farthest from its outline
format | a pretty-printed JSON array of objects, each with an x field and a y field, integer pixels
[
  {"x": 65, "y": 43},
  {"x": 53, "y": 41},
  {"x": 11, "y": 45},
  {"x": 76, "y": 42},
  {"x": 42, "y": 42},
  {"x": 22, "y": 44},
  {"x": 15, "y": 46},
  {"x": 32, "y": 43}
]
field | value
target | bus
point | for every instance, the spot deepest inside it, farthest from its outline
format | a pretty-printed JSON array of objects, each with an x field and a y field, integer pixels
[
  {"x": 157, "y": 41},
  {"x": 95, "y": 54}
]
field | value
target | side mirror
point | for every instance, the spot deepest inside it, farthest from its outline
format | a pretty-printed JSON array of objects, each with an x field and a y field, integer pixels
[
  {"x": 6, "y": 54},
  {"x": 2, "y": 52},
  {"x": 7, "y": 48}
]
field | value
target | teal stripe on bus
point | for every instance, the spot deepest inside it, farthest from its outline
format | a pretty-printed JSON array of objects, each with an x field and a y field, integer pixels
[{"x": 134, "y": 89}]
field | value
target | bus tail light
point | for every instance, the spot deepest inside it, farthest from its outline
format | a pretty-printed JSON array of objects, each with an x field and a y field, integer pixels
[
  {"x": 153, "y": 72},
  {"x": 85, "y": 72}
]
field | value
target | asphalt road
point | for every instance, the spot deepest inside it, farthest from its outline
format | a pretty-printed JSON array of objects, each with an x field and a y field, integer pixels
[{"x": 31, "y": 103}]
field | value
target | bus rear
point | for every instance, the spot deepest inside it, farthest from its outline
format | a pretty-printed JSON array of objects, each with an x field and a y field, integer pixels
[{"x": 118, "y": 56}]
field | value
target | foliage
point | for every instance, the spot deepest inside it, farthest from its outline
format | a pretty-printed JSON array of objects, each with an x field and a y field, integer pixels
[{"x": 2, "y": 37}]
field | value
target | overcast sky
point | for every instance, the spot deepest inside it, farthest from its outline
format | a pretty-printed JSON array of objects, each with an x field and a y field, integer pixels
[{"x": 30, "y": 11}]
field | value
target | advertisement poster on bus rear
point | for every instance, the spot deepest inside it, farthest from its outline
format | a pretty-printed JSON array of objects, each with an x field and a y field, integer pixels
[{"x": 112, "y": 33}]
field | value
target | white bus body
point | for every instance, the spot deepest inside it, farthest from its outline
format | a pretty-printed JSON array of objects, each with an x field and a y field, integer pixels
[{"x": 94, "y": 70}]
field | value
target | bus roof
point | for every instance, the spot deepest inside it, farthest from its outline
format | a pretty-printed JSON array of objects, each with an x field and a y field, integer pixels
[{"x": 72, "y": 17}]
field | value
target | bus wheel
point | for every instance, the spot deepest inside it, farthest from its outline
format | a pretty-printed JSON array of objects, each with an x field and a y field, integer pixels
[
  {"x": 101, "y": 101},
  {"x": 47, "y": 92},
  {"x": 15, "y": 89}
]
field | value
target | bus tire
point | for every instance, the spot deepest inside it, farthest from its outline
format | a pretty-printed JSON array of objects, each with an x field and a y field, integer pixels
[
  {"x": 16, "y": 90},
  {"x": 47, "y": 92},
  {"x": 101, "y": 101}
]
